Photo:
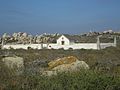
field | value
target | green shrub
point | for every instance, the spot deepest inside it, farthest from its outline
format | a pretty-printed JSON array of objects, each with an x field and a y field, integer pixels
[{"x": 82, "y": 80}]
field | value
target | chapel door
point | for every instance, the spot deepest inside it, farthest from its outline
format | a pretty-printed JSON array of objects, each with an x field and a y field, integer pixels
[{"x": 62, "y": 42}]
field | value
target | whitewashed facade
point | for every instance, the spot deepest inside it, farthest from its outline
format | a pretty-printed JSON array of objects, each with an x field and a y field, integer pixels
[{"x": 63, "y": 42}]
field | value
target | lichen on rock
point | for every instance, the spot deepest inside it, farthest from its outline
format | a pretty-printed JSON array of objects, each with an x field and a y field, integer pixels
[{"x": 65, "y": 64}]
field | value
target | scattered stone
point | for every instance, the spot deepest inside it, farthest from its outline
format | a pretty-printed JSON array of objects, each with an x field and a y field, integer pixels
[
  {"x": 65, "y": 64},
  {"x": 60, "y": 61},
  {"x": 49, "y": 73},
  {"x": 13, "y": 62},
  {"x": 75, "y": 66}
]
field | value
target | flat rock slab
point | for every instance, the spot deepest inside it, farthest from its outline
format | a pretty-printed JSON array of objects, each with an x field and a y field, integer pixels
[
  {"x": 12, "y": 62},
  {"x": 70, "y": 63}
]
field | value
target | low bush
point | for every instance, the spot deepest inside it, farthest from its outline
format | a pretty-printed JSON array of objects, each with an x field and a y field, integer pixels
[{"x": 82, "y": 80}]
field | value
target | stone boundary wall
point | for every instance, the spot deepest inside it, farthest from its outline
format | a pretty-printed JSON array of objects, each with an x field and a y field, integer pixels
[
  {"x": 104, "y": 45},
  {"x": 55, "y": 46},
  {"x": 74, "y": 46}
]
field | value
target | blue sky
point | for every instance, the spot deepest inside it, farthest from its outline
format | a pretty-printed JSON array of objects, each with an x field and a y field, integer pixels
[{"x": 62, "y": 16}]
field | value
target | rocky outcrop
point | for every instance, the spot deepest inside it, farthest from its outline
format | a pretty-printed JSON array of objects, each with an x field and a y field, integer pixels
[
  {"x": 65, "y": 64},
  {"x": 13, "y": 62},
  {"x": 75, "y": 66},
  {"x": 25, "y": 38},
  {"x": 60, "y": 61}
]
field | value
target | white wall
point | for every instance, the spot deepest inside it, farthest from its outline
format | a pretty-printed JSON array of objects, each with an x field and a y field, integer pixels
[
  {"x": 18, "y": 46},
  {"x": 104, "y": 45},
  {"x": 56, "y": 46},
  {"x": 74, "y": 46}
]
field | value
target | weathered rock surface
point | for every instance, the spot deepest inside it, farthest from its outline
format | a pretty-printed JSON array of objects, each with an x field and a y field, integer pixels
[
  {"x": 75, "y": 66},
  {"x": 49, "y": 73},
  {"x": 13, "y": 62},
  {"x": 60, "y": 61},
  {"x": 65, "y": 64}
]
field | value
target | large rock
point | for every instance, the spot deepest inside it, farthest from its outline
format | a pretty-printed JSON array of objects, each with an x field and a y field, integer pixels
[
  {"x": 65, "y": 64},
  {"x": 14, "y": 62},
  {"x": 75, "y": 66},
  {"x": 60, "y": 61}
]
